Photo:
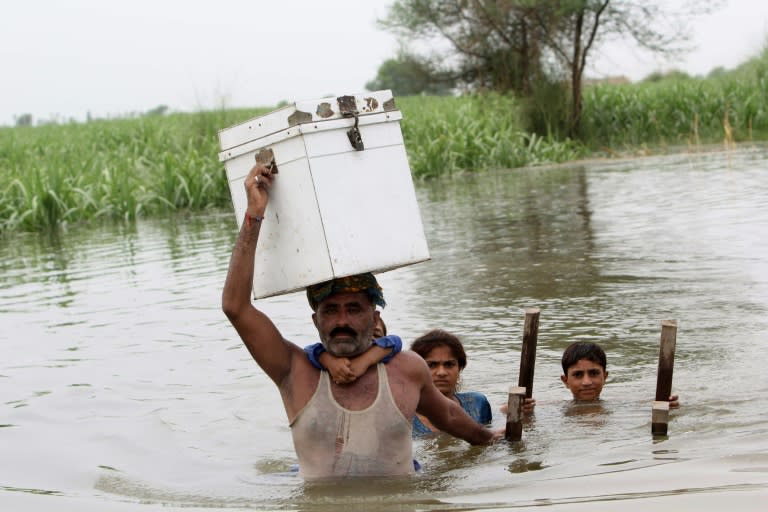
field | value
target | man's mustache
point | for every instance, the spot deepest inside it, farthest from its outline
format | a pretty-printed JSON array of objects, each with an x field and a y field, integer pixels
[{"x": 343, "y": 330}]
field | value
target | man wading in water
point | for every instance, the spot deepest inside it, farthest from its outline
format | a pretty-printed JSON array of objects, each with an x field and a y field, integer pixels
[{"x": 358, "y": 429}]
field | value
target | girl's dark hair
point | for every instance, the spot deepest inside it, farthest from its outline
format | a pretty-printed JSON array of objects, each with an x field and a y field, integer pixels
[
  {"x": 583, "y": 350},
  {"x": 424, "y": 344}
]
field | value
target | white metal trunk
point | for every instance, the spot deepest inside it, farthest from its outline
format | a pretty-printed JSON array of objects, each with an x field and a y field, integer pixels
[{"x": 334, "y": 210}]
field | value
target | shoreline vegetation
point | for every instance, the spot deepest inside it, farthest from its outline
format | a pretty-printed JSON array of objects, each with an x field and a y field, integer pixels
[{"x": 53, "y": 176}]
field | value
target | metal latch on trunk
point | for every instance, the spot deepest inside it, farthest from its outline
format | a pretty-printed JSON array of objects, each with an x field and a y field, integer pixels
[{"x": 348, "y": 108}]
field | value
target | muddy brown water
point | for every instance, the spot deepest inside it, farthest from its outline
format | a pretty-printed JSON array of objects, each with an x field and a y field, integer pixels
[{"x": 123, "y": 387}]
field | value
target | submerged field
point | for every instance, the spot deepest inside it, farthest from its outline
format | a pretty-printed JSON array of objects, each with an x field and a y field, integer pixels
[
  {"x": 56, "y": 175},
  {"x": 679, "y": 112},
  {"x": 123, "y": 168}
]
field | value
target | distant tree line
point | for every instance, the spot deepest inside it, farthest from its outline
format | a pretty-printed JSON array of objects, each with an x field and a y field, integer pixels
[
  {"x": 26, "y": 119},
  {"x": 535, "y": 49},
  {"x": 23, "y": 120}
]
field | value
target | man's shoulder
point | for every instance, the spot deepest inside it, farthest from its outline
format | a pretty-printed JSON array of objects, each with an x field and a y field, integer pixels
[
  {"x": 409, "y": 358},
  {"x": 301, "y": 366},
  {"x": 408, "y": 363}
]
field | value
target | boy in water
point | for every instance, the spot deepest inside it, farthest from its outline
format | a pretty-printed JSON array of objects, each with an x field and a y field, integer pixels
[{"x": 584, "y": 372}]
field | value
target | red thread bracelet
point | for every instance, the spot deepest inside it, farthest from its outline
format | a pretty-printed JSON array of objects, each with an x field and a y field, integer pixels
[{"x": 249, "y": 221}]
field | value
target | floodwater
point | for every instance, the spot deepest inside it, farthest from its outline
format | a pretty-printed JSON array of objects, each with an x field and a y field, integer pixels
[{"x": 123, "y": 387}]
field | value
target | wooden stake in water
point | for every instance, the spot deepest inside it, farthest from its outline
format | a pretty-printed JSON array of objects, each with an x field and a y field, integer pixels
[
  {"x": 659, "y": 418},
  {"x": 515, "y": 413},
  {"x": 528, "y": 353},
  {"x": 660, "y": 414}
]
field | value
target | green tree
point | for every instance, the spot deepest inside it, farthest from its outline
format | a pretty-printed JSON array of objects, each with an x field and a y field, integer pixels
[
  {"x": 506, "y": 45},
  {"x": 491, "y": 44},
  {"x": 408, "y": 75},
  {"x": 23, "y": 120},
  {"x": 572, "y": 29},
  {"x": 675, "y": 74},
  {"x": 159, "y": 110}
]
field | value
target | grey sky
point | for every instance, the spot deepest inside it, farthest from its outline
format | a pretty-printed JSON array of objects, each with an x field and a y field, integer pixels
[{"x": 64, "y": 58}]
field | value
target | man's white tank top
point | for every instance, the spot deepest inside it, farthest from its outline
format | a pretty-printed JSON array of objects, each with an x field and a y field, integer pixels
[{"x": 332, "y": 441}]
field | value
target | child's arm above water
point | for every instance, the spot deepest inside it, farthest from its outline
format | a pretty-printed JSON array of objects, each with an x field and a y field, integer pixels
[
  {"x": 340, "y": 368},
  {"x": 344, "y": 370},
  {"x": 370, "y": 357}
]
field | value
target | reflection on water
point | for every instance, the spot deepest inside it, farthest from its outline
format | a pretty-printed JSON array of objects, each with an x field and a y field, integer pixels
[{"x": 123, "y": 382}]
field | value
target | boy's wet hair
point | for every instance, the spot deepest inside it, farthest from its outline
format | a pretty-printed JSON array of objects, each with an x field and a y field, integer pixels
[
  {"x": 583, "y": 350},
  {"x": 424, "y": 344}
]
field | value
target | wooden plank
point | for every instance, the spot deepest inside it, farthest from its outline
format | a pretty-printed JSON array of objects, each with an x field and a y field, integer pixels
[
  {"x": 515, "y": 413},
  {"x": 666, "y": 360},
  {"x": 660, "y": 412},
  {"x": 660, "y": 417},
  {"x": 528, "y": 352}
]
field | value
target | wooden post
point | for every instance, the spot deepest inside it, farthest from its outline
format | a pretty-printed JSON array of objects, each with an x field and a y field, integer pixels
[
  {"x": 515, "y": 413},
  {"x": 528, "y": 353},
  {"x": 660, "y": 416}
]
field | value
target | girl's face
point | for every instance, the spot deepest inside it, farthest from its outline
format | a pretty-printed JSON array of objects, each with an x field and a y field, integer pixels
[{"x": 445, "y": 369}]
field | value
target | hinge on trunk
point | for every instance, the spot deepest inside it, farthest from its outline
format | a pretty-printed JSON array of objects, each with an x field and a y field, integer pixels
[{"x": 266, "y": 158}]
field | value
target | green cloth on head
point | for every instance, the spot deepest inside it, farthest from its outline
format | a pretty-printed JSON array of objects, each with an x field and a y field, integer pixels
[{"x": 366, "y": 282}]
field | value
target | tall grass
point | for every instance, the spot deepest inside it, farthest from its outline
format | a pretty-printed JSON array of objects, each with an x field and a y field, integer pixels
[
  {"x": 680, "y": 111},
  {"x": 444, "y": 135},
  {"x": 119, "y": 169}
]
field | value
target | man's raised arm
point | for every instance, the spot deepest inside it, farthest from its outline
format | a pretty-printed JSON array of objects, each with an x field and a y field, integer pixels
[{"x": 261, "y": 337}]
